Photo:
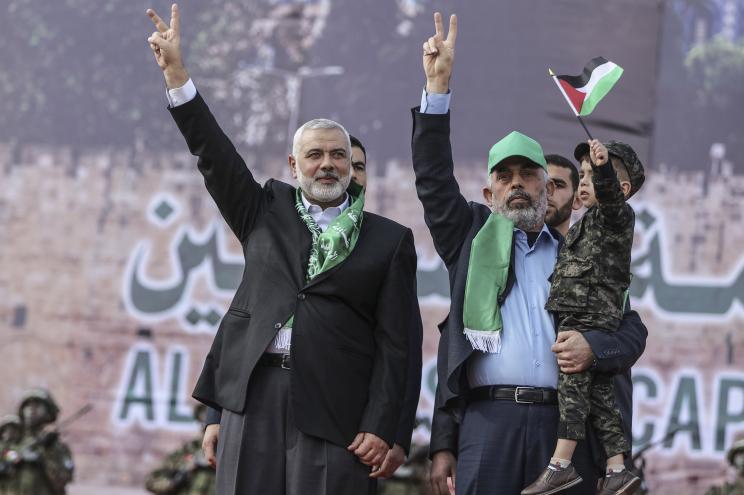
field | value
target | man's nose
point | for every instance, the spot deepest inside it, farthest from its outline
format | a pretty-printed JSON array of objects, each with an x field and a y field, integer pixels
[
  {"x": 327, "y": 162},
  {"x": 516, "y": 182}
]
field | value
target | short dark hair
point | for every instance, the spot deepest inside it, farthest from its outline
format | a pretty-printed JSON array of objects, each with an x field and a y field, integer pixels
[
  {"x": 356, "y": 143},
  {"x": 562, "y": 161}
]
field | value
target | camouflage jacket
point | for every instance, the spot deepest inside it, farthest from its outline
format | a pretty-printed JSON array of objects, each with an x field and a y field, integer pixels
[
  {"x": 593, "y": 268},
  {"x": 39, "y": 469},
  {"x": 184, "y": 472}
]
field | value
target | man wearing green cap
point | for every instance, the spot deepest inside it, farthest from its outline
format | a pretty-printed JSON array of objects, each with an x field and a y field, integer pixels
[{"x": 496, "y": 413}]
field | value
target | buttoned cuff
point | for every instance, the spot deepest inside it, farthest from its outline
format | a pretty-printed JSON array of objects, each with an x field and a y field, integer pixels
[
  {"x": 182, "y": 95},
  {"x": 435, "y": 103}
]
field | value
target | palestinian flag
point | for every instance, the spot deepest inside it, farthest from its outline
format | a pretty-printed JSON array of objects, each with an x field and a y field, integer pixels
[{"x": 584, "y": 91}]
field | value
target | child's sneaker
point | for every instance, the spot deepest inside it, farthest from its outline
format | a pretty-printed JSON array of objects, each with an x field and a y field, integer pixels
[
  {"x": 553, "y": 479},
  {"x": 619, "y": 483}
]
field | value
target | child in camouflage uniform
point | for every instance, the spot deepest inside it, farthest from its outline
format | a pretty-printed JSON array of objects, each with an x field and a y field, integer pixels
[{"x": 589, "y": 284}]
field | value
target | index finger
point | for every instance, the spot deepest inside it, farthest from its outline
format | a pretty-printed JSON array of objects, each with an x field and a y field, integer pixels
[
  {"x": 452, "y": 34},
  {"x": 159, "y": 24},
  {"x": 438, "y": 28},
  {"x": 175, "y": 22}
]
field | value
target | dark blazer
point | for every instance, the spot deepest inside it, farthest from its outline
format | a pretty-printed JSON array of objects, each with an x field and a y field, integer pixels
[
  {"x": 410, "y": 403},
  {"x": 350, "y": 338},
  {"x": 453, "y": 223}
]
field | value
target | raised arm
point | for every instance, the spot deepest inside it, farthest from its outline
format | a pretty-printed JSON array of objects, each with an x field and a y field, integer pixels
[
  {"x": 238, "y": 196},
  {"x": 446, "y": 211},
  {"x": 614, "y": 212}
]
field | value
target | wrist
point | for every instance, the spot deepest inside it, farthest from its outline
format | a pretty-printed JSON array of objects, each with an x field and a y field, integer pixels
[
  {"x": 437, "y": 86},
  {"x": 175, "y": 77}
]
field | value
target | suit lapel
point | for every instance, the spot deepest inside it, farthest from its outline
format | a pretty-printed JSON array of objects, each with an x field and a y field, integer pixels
[{"x": 298, "y": 238}]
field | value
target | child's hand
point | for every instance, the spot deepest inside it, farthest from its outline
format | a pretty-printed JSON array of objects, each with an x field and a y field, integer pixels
[{"x": 597, "y": 152}]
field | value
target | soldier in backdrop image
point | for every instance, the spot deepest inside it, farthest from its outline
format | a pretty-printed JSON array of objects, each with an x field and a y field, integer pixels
[
  {"x": 735, "y": 457},
  {"x": 186, "y": 470},
  {"x": 40, "y": 463},
  {"x": 11, "y": 430}
]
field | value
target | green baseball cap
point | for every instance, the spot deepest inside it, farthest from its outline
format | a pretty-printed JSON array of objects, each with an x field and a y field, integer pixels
[{"x": 516, "y": 144}]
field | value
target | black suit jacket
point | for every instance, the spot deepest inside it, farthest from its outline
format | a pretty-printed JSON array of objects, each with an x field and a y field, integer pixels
[
  {"x": 453, "y": 223},
  {"x": 350, "y": 338}
]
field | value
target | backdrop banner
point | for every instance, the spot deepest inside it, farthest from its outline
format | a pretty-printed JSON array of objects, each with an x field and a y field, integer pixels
[{"x": 116, "y": 267}]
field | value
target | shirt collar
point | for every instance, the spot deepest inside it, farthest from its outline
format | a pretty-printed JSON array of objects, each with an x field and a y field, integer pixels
[
  {"x": 315, "y": 208},
  {"x": 544, "y": 232}
]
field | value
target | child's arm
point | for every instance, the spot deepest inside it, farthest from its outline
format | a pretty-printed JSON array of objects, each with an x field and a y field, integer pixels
[{"x": 613, "y": 211}]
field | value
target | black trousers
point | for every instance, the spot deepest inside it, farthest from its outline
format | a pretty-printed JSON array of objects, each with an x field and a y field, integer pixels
[
  {"x": 504, "y": 446},
  {"x": 261, "y": 452}
]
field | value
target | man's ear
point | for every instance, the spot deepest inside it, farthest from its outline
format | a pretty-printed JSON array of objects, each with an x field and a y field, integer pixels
[
  {"x": 625, "y": 187},
  {"x": 488, "y": 196},
  {"x": 292, "y": 166},
  {"x": 550, "y": 185}
]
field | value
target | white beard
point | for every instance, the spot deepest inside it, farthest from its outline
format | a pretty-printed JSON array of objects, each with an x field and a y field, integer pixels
[{"x": 322, "y": 193}]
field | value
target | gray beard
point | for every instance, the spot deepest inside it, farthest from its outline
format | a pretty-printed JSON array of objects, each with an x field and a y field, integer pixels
[
  {"x": 322, "y": 193},
  {"x": 528, "y": 218}
]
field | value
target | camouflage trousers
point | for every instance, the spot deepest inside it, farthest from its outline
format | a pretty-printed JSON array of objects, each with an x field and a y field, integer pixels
[{"x": 589, "y": 396}]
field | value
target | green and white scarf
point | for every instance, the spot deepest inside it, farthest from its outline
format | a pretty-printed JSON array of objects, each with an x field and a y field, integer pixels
[
  {"x": 488, "y": 271},
  {"x": 333, "y": 246},
  {"x": 328, "y": 248}
]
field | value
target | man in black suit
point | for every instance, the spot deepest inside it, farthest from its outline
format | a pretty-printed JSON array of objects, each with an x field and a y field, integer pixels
[
  {"x": 333, "y": 283},
  {"x": 396, "y": 456},
  {"x": 496, "y": 412}
]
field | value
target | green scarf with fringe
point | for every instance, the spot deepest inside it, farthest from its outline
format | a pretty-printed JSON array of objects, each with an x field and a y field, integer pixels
[{"x": 488, "y": 271}]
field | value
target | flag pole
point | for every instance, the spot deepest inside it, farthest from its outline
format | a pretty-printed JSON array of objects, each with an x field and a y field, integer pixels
[
  {"x": 581, "y": 121},
  {"x": 570, "y": 104}
]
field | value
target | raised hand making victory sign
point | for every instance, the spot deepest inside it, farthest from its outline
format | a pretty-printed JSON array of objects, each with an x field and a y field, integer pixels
[
  {"x": 439, "y": 55},
  {"x": 166, "y": 47}
]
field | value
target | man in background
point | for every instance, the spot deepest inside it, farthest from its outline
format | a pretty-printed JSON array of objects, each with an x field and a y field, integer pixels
[
  {"x": 563, "y": 201},
  {"x": 358, "y": 162}
]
